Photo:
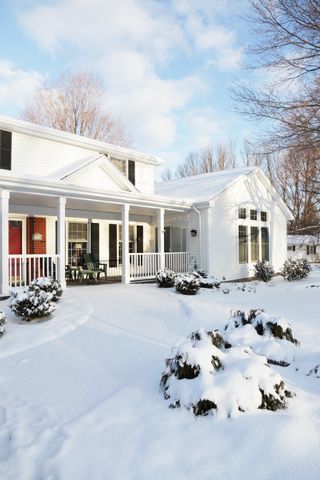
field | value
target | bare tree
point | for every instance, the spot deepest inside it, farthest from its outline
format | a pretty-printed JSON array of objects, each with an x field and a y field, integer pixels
[
  {"x": 286, "y": 49},
  {"x": 166, "y": 175},
  {"x": 209, "y": 159},
  {"x": 72, "y": 102}
]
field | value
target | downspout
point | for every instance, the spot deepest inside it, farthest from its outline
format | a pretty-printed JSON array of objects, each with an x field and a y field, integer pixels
[{"x": 200, "y": 233}]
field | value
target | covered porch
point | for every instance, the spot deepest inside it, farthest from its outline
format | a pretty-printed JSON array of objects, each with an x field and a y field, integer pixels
[{"x": 42, "y": 233}]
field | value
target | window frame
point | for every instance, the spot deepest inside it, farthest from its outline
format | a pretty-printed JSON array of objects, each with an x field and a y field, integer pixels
[
  {"x": 242, "y": 213},
  {"x": 243, "y": 255}
]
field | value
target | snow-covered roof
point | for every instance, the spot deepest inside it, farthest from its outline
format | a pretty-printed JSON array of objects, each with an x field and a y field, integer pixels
[
  {"x": 201, "y": 188},
  {"x": 303, "y": 240}
]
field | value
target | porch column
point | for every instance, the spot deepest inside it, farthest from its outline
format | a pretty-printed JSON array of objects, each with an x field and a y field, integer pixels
[
  {"x": 160, "y": 220},
  {"x": 61, "y": 240},
  {"x": 125, "y": 244},
  {"x": 4, "y": 241}
]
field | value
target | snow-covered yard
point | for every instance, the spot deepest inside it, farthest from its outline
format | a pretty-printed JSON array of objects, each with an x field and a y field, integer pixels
[{"x": 79, "y": 393}]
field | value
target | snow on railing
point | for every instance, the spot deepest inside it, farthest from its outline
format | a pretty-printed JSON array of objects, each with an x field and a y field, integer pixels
[
  {"x": 22, "y": 269},
  {"x": 177, "y": 261}
]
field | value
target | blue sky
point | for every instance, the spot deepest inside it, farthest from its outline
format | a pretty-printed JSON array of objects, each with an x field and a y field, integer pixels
[{"x": 167, "y": 65}]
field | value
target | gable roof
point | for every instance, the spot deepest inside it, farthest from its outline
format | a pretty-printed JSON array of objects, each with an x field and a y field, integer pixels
[
  {"x": 201, "y": 188},
  {"x": 68, "y": 174}
]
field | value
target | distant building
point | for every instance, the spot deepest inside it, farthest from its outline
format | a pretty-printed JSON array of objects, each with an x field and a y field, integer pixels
[{"x": 304, "y": 246}]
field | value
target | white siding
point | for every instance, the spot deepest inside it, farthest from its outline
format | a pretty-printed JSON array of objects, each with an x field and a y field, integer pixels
[
  {"x": 42, "y": 158},
  {"x": 144, "y": 177},
  {"x": 223, "y": 245}
]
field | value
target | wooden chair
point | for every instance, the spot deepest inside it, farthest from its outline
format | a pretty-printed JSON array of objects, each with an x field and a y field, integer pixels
[{"x": 91, "y": 268}]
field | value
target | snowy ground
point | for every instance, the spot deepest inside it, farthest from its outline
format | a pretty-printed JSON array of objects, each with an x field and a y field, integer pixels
[{"x": 79, "y": 397}]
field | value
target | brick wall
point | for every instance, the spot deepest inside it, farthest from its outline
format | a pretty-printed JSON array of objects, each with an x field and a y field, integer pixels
[{"x": 36, "y": 225}]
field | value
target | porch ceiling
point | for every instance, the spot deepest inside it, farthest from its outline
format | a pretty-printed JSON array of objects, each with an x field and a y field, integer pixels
[{"x": 50, "y": 203}]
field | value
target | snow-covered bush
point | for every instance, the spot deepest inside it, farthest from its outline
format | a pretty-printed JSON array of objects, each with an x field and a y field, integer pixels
[
  {"x": 206, "y": 282},
  {"x": 49, "y": 285},
  {"x": 165, "y": 278},
  {"x": 263, "y": 270},
  {"x": 3, "y": 323},
  {"x": 30, "y": 304},
  {"x": 295, "y": 269},
  {"x": 266, "y": 335},
  {"x": 187, "y": 284},
  {"x": 205, "y": 377},
  {"x": 315, "y": 372}
]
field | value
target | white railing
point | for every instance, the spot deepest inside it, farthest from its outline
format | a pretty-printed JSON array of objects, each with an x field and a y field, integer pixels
[
  {"x": 22, "y": 269},
  {"x": 179, "y": 262},
  {"x": 144, "y": 265}
]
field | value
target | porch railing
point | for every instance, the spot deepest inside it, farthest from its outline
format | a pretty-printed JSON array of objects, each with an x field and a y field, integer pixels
[
  {"x": 179, "y": 262},
  {"x": 22, "y": 269},
  {"x": 146, "y": 265}
]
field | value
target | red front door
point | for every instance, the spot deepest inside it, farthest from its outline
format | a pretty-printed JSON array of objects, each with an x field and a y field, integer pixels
[
  {"x": 15, "y": 248},
  {"x": 15, "y": 237}
]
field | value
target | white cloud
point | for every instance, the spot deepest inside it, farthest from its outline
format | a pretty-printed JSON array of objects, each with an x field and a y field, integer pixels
[
  {"x": 130, "y": 43},
  {"x": 204, "y": 126},
  {"x": 16, "y": 85}
]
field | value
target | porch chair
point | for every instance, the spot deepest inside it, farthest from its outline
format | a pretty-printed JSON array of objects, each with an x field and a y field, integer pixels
[{"x": 92, "y": 268}]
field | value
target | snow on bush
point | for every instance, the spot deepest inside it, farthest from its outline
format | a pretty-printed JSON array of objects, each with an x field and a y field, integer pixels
[
  {"x": 187, "y": 284},
  {"x": 49, "y": 285},
  {"x": 165, "y": 278},
  {"x": 295, "y": 269},
  {"x": 3, "y": 323},
  {"x": 206, "y": 282},
  {"x": 207, "y": 377},
  {"x": 266, "y": 335},
  {"x": 30, "y": 304},
  {"x": 263, "y": 270}
]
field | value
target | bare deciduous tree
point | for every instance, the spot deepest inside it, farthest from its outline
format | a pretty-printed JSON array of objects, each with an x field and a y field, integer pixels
[
  {"x": 209, "y": 159},
  {"x": 72, "y": 102},
  {"x": 287, "y": 51}
]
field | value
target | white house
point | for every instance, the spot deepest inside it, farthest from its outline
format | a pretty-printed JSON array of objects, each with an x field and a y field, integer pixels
[
  {"x": 63, "y": 195},
  {"x": 304, "y": 246}
]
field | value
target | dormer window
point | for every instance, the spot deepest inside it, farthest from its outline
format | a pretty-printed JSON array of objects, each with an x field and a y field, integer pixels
[
  {"x": 5, "y": 149},
  {"x": 127, "y": 167}
]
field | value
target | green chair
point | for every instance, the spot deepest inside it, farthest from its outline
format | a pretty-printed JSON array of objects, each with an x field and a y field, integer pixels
[{"x": 91, "y": 268}]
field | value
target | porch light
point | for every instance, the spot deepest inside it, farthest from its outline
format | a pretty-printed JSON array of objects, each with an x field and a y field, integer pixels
[{"x": 194, "y": 233}]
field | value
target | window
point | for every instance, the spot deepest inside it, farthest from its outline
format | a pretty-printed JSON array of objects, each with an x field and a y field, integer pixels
[
  {"x": 264, "y": 244},
  {"x": 132, "y": 171},
  {"x": 242, "y": 213},
  {"x": 253, "y": 215},
  {"x": 5, "y": 149},
  {"x": 254, "y": 244},
  {"x": 311, "y": 249},
  {"x": 291, "y": 248},
  {"x": 243, "y": 244},
  {"x": 77, "y": 243},
  {"x": 263, "y": 216},
  {"x": 175, "y": 239}
]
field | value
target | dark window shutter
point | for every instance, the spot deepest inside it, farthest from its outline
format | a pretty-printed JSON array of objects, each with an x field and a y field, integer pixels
[
  {"x": 95, "y": 239},
  {"x": 132, "y": 171},
  {"x": 112, "y": 245},
  {"x": 167, "y": 239},
  {"x": 139, "y": 238},
  {"x": 5, "y": 149}
]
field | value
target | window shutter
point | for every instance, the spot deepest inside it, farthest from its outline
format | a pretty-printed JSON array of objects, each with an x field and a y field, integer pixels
[
  {"x": 5, "y": 149},
  {"x": 112, "y": 245},
  {"x": 95, "y": 239},
  {"x": 132, "y": 171},
  {"x": 139, "y": 238}
]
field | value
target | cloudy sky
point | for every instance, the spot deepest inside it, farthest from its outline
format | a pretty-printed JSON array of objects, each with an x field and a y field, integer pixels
[{"x": 167, "y": 64}]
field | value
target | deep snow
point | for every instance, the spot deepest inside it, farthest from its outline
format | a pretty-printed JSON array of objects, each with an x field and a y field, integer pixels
[{"x": 79, "y": 393}]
